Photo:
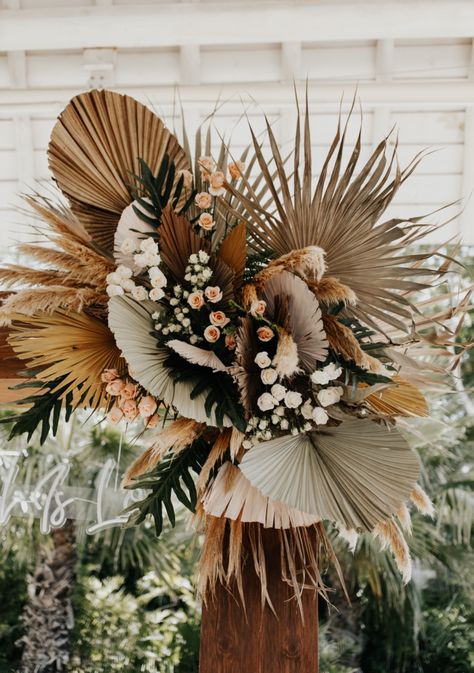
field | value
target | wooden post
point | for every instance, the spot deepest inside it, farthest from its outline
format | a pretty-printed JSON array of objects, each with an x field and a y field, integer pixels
[{"x": 235, "y": 639}]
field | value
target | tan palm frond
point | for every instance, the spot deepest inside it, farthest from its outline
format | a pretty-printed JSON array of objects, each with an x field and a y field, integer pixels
[
  {"x": 341, "y": 216},
  {"x": 94, "y": 151},
  {"x": 401, "y": 399},
  {"x": 356, "y": 474},
  {"x": 74, "y": 347},
  {"x": 233, "y": 252},
  {"x": 232, "y": 495}
]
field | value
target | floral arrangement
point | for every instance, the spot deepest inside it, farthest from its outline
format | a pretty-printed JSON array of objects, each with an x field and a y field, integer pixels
[{"x": 263, "y": 330}]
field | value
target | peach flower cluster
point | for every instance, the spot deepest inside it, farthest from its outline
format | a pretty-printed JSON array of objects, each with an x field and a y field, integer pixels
[{"x": 126, "y": 406}]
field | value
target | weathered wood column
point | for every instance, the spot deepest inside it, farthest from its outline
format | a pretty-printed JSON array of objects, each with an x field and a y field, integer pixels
[{"x": 237, "y": 639}]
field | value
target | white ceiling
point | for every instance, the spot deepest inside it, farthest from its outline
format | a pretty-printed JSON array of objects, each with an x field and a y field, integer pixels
[{"x": 411, "y": 61}]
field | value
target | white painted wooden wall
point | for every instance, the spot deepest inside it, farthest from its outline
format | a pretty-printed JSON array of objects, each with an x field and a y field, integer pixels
[{"x": 412, "y": 62}]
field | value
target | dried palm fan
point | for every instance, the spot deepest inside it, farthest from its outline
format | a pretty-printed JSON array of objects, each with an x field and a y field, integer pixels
[
  {"x": 400, "y": 399},
  {"x": 94, "y": 153}
]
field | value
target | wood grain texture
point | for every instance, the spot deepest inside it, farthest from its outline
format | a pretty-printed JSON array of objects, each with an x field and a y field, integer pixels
[{"x": 235, "y": 639}]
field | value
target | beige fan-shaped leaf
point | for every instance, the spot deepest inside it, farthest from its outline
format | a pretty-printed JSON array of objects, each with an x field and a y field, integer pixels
[
  {"x": 233, "y": 496},
  {"x": 401, "y": 399},
  {"x": 196, "y": 355},
  {"x": 131, "y": 323},
  {"x": 75, "y": 346},
  {"x": 133, "y": 227},
  {"x": 292, "y": 305},
  {"x": 94, "y": 151},
  {"x": 357, "y": 473}
]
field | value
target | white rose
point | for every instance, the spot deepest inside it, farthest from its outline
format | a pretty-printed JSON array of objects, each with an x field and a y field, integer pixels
[
  {"x": 262, "y": 359},
  {"x": 127, "y": 284},
  {"x": 266, "y": 402},
  {"x": 193, "y": 259},
  {"x": 128, "y": 246},
  {"x": 207, "y": 273},
  {"x": 140, "y": 260},
  {"x": 320, "y": 377},
  {"x": 278, "y": 391},
  {"x": 156, "y": 294},
  {"x": 280, "y": 411},
  {"x": 319, "y": 416},
  {"x": 329, "y": 396},
  {"x": 149, "y": 245},
  {"x": 307, "y": 410},
  {"x": 158, "y": 278},
  {"x": 186, "y": 322},
  {"x": 284, "y": 424},
  {"x": 113, "y": 278},
  {"x": 332, "y": 371},
  {"x": 293, "y": 399},
  {"x": 152, "y": 259},
  {"x": 114, "y": 290},
  {"x": 139, "y": 293},
  {"x": 203, "y": 256},
  {"x": 123, "y": 271},
  {"x": 268, "y": 376}
]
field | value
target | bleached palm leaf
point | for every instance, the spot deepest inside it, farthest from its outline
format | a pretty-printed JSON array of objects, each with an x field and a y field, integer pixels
[
  {"x": 232, "y": 495},
  {"x": 132, "y": 324},
  {"x": 130, "y": 226},
  {"x": 196, "y": 355},
  {"x": 94, "y": 152},
  {"x": 357, "y": 473},
  {"x": 72, "y": 346},
  {"x": 289, "y": 299}
]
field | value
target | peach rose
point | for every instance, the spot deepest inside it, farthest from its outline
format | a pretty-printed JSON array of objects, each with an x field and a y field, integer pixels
[
  {"x": 153, "y": 421},
  {"x": 130, "y": 410},
  {"x": 265, "y": 333},
  {"x": 196, "y": 299},
  {"x": 216, "y": 183},
  {"x": 203, "y": 200},
  {"x": 230, "y": 342},
  {"x": 206, "y": 164},
  {"x": 147, "y": 406},
  {"x": 258, "y": 307},
  {"x": 129, "y": 391},
  {"x": 187, "y": 178},
  {"x": 206, "y": 222},
  {"x": 236, "y": 169},
  {"x": 218, "y": 318},
  {"x": 213, "y": 293},
  {"x": 212, "y": 333},
  {"x": 115, "y": 387},
  {"x": 115, "y": 415},
  {"x": 109, "y": 375}
]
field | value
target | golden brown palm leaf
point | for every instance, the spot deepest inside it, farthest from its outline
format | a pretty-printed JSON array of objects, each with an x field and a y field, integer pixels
[
  {"x": 401, "y": 399},
  {"x": 94, "y": 153},
  {"x": 72, "y": 346},
  {"x": 341, "y": 216}
]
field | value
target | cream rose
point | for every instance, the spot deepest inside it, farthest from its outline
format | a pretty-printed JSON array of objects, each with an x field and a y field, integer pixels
[
  {"x": 307, "y": 410},
  {"x": 115, "y": 290},
  {"x": 196, "y": 299},
  {"x": 129, "y": 391},
  {"x": 139, "y": 293},
  {"x": 187, "y": 178},
  {"x": 293, "y": 399},
  {"x": 216, "y": 183},
  {"x": 128, "y": 246},
  {"x": 268, "y": 376},
  {"x": 332, "y": 371},
  {"x": 320, "y": 377},
  {"x": 278, "y": 391},
  {"x": 130, "y": 410},
  {"x": 115, "y": 387},
  {"x": 115, "y": 415},
  {"x": 265, "y": 333},
  {"x": 156, "y": 293},
  {"x": 329, "y": 396},
  {"x": 218, "y": 318},
  {"x": 206, "y": 222},
  {"x": 236, "y": 169},
  {"x": 213, "y": 293},
  {"x": 266, "y": 402},
  {"x": 262, "y": 359},
  {"x": 147, "y": 406},
  {"x": 109, "y": 375},
  {"x": 212, "y": 333},
  {"x": 157, "y": 277},
  {"x": 320, "y": 416},
  {"x": 203, "y": 200},
  {"x": 258, "y": 307}
]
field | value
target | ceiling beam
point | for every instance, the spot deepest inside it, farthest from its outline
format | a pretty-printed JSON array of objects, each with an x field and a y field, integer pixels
[
  {"x": 216, "y": 23},
  {"x": 427, "y": 95}
]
